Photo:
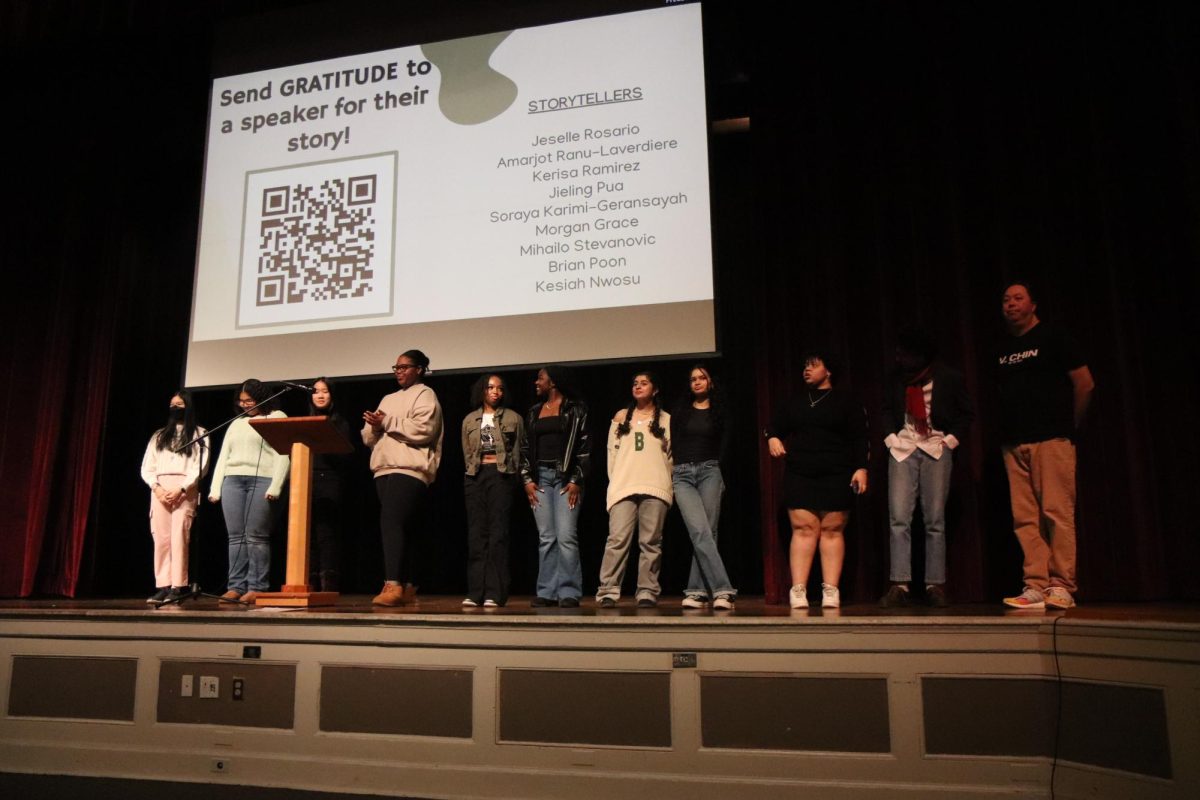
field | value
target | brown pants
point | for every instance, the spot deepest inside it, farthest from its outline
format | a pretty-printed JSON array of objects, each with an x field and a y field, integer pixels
[{"x": 1041, "y": 483}]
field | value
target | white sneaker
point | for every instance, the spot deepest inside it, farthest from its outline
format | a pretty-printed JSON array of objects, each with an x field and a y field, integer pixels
[
  {"x": 694, "y": 601},
  {"x": 799, "y": 596},
  {"x": 830, "y": 596},
  {"x": 1058, "y": 597},
  {"x": 723, "y": 603},
  {"x": 469, "y": 603},
  {"x": 490, "y": 603}
]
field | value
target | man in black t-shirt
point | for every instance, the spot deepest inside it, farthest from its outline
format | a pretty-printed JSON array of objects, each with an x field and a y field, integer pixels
[{"x": 1045, "y": 387}]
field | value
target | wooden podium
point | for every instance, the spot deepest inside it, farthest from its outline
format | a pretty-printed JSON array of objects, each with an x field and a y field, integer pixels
[{"x": 302, "y": 437}]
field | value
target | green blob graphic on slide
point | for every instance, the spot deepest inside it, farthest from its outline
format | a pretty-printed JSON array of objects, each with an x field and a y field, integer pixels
[{"x": 472, "y": 92}]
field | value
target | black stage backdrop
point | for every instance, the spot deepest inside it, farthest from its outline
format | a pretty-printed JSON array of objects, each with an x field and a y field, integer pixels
[{"x": 904, "y": 160}]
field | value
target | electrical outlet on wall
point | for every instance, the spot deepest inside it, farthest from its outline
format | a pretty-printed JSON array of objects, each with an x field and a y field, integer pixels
[{"x": 210, "y": 687}]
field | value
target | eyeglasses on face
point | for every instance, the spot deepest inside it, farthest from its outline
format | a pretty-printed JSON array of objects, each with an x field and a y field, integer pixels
[{"x": 403, "y": 367}]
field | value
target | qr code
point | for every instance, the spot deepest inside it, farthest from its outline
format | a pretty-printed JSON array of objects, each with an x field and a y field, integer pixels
[{"x": 317, "y": 242}]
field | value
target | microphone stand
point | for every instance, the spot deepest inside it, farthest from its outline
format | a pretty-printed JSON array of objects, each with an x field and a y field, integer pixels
[{"x": 193, "y": 590}]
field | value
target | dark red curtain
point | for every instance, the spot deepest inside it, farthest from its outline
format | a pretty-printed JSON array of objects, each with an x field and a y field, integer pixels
[
  {"x": 914, "y": 157},
  {"x": 57, "y": 357}
]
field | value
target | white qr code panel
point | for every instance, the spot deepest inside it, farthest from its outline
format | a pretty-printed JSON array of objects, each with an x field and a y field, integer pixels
[{"x": 318, "y": 242}]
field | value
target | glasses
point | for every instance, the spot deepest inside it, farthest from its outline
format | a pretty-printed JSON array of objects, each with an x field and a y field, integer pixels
[
  {"x": 403, "y": 367},
  {"x": 246, "y": 402}
]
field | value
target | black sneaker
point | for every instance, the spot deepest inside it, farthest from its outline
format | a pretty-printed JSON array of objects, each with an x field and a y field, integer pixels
[
  {"x": 569, "y": 602},
  {"x": 542, "y": 602},
  {"x": 647, "y": 602},
  {"x": 608, "y": 602},
  {"x": 159, "y": 596},
  {"x": 175, "y": 594},
  {"x": 935, "y": 596},
  {"x": 896, "y": 597}
]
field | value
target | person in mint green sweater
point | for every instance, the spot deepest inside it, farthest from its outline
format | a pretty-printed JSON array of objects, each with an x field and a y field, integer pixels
[{"x": 248, "y": 478}]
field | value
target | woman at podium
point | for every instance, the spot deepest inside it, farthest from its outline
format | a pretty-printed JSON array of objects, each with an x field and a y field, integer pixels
[{"x": 247, "y": 480}]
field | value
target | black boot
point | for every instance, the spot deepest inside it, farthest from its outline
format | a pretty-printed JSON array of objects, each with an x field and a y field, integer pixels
[{"x": 329, "y": 580}]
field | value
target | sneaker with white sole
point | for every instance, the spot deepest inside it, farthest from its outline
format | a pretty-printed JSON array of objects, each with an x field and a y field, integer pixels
[
  {"x": 799, "y": 596},
  {"x": 830, "y": 596},
  {"x": 1030, "y": 598},
  {"x": 1058, "y": 597},
  {"x": 469, "y": 603},
  {"x": 694, "y": 601},
  {"x": 723, "y": 603},
  {"x": 490, "y": 603}
]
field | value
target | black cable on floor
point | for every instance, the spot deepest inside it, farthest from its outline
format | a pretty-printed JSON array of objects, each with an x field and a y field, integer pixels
[{"x": 1058, "y": 714}]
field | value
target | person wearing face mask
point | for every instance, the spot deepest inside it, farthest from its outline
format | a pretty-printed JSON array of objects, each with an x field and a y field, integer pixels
[
  {"x": 492, "y": 437},
  {"x": 173, "y": 474}
]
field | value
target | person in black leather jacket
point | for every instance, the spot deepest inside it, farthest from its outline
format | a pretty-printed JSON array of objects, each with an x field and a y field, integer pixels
[{"x": 554, "y": 465}]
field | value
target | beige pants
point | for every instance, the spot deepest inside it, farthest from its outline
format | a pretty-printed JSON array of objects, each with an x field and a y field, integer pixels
[
  {"x": 1041, "y": 483},
  {"x": 647, "y": 514},
  {"x": 172, "y": 530}
]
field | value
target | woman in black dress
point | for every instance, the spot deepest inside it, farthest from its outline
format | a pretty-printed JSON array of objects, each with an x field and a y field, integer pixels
[{"x": 825, "y": 431}]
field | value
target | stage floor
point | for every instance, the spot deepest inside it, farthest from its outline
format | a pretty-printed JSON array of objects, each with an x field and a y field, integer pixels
[
  {"x": 430, "y": 700},
  {"x": 750, "y": 610}
]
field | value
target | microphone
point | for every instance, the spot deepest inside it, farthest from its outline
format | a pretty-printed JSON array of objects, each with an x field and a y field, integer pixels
[{"x": 300, "y": 386}]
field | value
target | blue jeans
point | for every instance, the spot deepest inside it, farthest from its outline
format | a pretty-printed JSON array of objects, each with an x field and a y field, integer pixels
[
  {"x": 698, "y": 489},
  {"x": 248, "y": 521},
  {"x": 927, "y": 478},
  {"x": 559, "y": 572}
]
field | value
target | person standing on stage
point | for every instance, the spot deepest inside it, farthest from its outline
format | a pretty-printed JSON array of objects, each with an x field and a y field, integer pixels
[
  {"x": 247, "y": 479},
  {"x": 639, "y": 492},
  {"x": 927, "y": 413},
  {"x": 699, "y": 440},
  {"x": 405, "y": 438},
  {"x": 492, "y": 439},
  {"x": 329, "y": 480},
  {"x": 1045, "y": 388},
  {"x": 173, "y": 476},
  {"x": 826, "y": 467},
  {"x": 554, "y": 465}
]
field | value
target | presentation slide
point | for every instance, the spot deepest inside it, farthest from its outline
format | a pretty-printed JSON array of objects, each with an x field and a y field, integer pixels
[{"x": 521, "y": 197}]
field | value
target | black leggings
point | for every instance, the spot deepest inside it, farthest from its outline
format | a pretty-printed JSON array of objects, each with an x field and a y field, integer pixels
[{"x": 400, "y": 498}]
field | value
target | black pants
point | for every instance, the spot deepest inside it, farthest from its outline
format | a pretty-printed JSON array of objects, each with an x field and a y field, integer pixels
[
  {"x": 400, "y": 498},
  {"x": 488, "y": 494},
  {"x": 325, "y": 546}
]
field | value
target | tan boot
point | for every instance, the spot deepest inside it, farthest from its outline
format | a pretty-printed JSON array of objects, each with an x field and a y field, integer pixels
[{"x": 392, "y": 595}]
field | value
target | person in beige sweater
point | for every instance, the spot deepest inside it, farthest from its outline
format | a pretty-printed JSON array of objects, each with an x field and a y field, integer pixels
[
  {"x": 639, "y": 492},
  {"x": 405, "y": 438}
]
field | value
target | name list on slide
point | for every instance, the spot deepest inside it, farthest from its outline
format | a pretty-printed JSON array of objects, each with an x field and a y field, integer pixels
[{"x": 586, "y": 201}]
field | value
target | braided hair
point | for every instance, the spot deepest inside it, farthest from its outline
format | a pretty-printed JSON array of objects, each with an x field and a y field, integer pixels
[{"x": 655, "y": 428}]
